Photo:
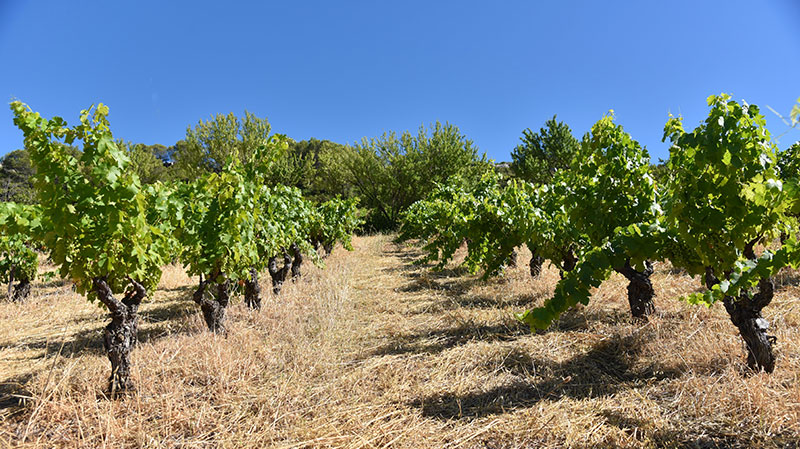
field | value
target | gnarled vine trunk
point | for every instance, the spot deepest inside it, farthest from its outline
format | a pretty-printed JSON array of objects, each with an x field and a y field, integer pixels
[
  {"x": 512, "y": 258},
  {"x": 297, "y": 262},
  {"x": 318, "y": 248},
  {"x": 640, "y": 289},
  {"x": 213, "y": 299},
  {"x": 569, "y": 262},
  {"x": 536, "y": 264},
  {"x": 323, "y": 250},
  {"x": 10, "y": 281},
  {"x": 279, "y": 274},
  {"x": 119, "y": 337},
  {"x": 22, "y": 290},
  {"x": 252, "y": 291},
  {"x": 744, "y": 311}
]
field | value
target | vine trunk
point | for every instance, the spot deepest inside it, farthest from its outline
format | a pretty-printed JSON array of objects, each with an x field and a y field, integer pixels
[{"x": 119, "y": 337}]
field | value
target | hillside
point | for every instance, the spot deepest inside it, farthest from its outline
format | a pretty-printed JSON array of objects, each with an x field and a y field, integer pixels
[{"x": 373, "y": 352}]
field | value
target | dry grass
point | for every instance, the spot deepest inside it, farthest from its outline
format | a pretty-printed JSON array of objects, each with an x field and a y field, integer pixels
[{"x": 373, "y": 352}]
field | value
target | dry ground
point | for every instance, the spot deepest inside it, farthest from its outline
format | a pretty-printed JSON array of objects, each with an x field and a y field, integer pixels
[{"x": 373, "y": 352}]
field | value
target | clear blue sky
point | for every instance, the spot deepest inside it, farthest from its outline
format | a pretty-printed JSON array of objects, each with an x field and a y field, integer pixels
[{"x": 345, "y": 70}]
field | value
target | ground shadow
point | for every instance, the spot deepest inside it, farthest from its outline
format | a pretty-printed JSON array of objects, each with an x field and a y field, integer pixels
[
  {"x": 407, "y": 254},
  {"x": 582, "y": 318},
  {"x": 13, "y": 395},
  {"x": 182, "y": 288},
  {"x": 700, "y": 437},
  {"x": 452, "y": 283},
  {"x": 160, "y": 320},
  {"x": 493, "y": 301},
  {"x": 414, "y": 261},
  {"x": 607, "y": 367},
  {"x": 786, "y": 278},
  {"x": 54, "y": 283},
  {"x": 434, "y": 341},
  {"x": 667, "y": 268},
  {"x": 155, "y": 323},
  {"x": 416, "y": 268},
  {"x": 73, "y": 345}
]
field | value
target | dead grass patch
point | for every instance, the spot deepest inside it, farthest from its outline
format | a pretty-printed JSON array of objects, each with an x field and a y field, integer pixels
[{"x": 373, "y": 352}]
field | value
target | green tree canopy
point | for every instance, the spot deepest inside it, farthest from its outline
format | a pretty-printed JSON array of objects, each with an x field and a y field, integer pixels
[
  {"x": 541, "y": 154},
  {"x": 312, "y": 177},
  {"x": 391, "y": 172},
  {"x": 147, "y": 161},
  {"x": 789, "y": 162},
  {"x": 15, "y": 177},
  {"x": 210, "y": 144}
]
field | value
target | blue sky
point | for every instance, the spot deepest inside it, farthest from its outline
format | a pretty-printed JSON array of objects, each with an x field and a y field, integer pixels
[{"x": 350, "y": 69}]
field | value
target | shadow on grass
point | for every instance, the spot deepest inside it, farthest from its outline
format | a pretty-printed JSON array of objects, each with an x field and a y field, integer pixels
[
  {"x": 155, "y": 323},
  {"x": 609, "y": 366},
  {"x": 54, "y": 283},
  {"x": 453, "y": 283},
  {"x": 451, "y": 301},
  {"x": 188, "y": 289},
  {"x": 14, "y": 396},
  {"x": 435, "y": 341},
  {"x": 405, "y": 253},
  {"x": 580, "y": 318},
  {"x": 700, "y": 436},
  {"x": 598, "y": 372},
  {"x": 601, "y": 371},
  {"x": 667, "y": 268},
  {"x": 166, "y": 320},
  {"x": 415, "y": 267},
  {"x": 787, "y": 278},
  {"x": 493, "y": 302}
]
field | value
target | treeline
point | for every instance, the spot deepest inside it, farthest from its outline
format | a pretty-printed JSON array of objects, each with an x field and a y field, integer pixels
[{"x": 386, "y": 173}]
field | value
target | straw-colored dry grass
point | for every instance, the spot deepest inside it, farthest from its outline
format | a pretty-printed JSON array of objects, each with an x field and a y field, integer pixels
[{"x": 374, "y": 352}]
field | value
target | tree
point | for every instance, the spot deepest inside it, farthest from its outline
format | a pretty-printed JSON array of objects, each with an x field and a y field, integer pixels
[
  {"x": 789, "y": 162},
  {"x": 15, "y": 177},
  {"x": 735, "y": 204},
  {"x": 297, "y": 168},
  {"x": 319, "y": 182},
  {"x": 212, "y": 143},
  {"x": 284, "y": 233},
  {"x": 391, "y": 172},
  {"x": 97, "y": 229},
  {"x": 542, "y": 154},
  {"x": 492, "y": 219},
  {"x": 292, "y": 226},
  {"x": 147, "y": 162},
  {"x": 335, "y": 222}
]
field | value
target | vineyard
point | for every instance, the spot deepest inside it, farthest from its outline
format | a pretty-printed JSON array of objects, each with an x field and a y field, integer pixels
[
  {"x": 573, "y": 304},
  {"x": 372, "y": 351}
]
